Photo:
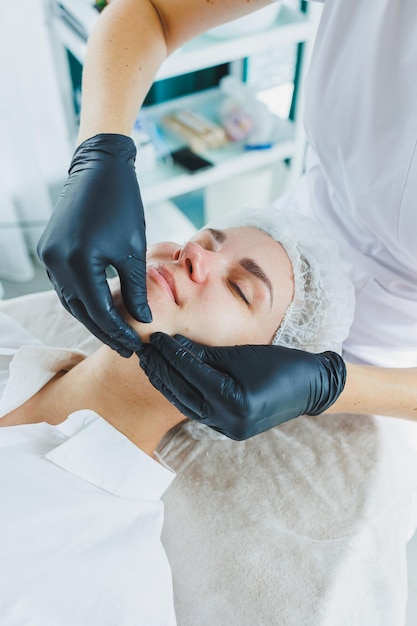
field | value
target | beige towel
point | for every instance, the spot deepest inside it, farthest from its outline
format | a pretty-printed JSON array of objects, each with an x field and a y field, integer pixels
[{"x": 303, "y": 525}]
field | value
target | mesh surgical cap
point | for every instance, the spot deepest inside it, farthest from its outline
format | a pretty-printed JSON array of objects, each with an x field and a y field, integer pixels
[{"x": 321, "y": 312}]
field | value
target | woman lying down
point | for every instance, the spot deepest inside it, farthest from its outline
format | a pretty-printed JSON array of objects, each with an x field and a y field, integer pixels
[{"x": 80, "y": 482}]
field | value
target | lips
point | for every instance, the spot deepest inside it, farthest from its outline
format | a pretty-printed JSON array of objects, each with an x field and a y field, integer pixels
[{"x": 164, "y": 278}]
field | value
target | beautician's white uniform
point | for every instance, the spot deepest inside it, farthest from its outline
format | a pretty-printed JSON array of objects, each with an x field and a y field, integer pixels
[
  {"x": 361, "y": 183},
  {"x": 80, "y": 509}
]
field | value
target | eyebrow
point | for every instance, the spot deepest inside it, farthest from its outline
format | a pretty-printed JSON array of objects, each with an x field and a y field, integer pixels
[
  {"x": 249, "y": 265},
  {"x": 218, "y": 235}
]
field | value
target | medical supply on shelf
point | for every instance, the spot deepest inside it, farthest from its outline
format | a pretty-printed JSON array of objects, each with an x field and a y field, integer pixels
[
  {"x": 196, "y": 130},
  {"x": 244, "y": 117},
  {"x": 146, "y": 153},
  {"x": 162, "y": 148}
]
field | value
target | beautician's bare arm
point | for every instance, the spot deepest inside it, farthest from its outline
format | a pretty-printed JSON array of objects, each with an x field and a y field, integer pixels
[
  {"x": 127, "y": 47},
  {"x": 378, "y": 391}
]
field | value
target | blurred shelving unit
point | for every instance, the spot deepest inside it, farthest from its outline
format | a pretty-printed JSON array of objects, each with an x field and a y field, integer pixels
[{"x": 71, "y": 23}]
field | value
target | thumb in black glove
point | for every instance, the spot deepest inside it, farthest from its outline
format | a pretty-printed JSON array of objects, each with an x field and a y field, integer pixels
[{"x": 241, "y": 391}]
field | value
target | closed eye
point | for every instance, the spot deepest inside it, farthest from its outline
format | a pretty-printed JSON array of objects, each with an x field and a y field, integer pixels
[{"x": 239, "y": 292}]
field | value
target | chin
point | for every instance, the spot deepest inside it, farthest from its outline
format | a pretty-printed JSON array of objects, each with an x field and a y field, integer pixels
[{"x": 144, "y": 330}]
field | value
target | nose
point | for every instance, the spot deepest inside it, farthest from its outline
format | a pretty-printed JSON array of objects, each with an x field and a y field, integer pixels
[{"x": 198, "y": 261}]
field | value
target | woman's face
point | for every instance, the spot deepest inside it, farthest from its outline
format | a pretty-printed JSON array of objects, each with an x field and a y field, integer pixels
[{"x": 220, "y": 288}]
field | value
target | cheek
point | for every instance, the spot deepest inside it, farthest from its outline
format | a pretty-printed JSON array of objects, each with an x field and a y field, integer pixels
[
  {"x": 228, "y": 324},
  {"x": 217, "y": 322}
]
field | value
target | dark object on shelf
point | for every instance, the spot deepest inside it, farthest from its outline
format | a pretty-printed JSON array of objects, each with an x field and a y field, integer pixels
[{"x": 190, "y": 160}]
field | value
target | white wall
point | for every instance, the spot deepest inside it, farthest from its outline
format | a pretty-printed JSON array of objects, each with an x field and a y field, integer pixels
[{"x": 34, "y": 147}]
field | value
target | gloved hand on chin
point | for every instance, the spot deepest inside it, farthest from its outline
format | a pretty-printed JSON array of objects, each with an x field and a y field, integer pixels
[
  {"x": 99, "y": 221},
  {"x": 241, "y": 391}
]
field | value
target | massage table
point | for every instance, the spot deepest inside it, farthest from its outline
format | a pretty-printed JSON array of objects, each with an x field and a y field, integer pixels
[{"x": 304, "y": 525}]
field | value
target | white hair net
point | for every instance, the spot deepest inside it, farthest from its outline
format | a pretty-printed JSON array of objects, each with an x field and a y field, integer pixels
[{"x": 321, "y": 312}]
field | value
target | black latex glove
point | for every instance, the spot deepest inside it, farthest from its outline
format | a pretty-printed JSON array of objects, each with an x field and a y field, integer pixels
[
  {"x": 98, "y": 221},
  {"x": 241, "y": 391}
]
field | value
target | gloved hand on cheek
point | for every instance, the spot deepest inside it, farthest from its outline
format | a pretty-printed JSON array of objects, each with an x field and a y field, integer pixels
[{"x": 241, "y": 391}]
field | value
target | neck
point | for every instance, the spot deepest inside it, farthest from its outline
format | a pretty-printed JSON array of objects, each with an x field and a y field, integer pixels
[{"x": 119, "y": 391}]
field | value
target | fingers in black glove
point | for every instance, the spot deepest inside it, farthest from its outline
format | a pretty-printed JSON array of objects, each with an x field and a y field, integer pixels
[
  {"x": 99, "y": 221},
  {"x": 242, "y": 390},
  {"x": 176, "y": 372}
]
